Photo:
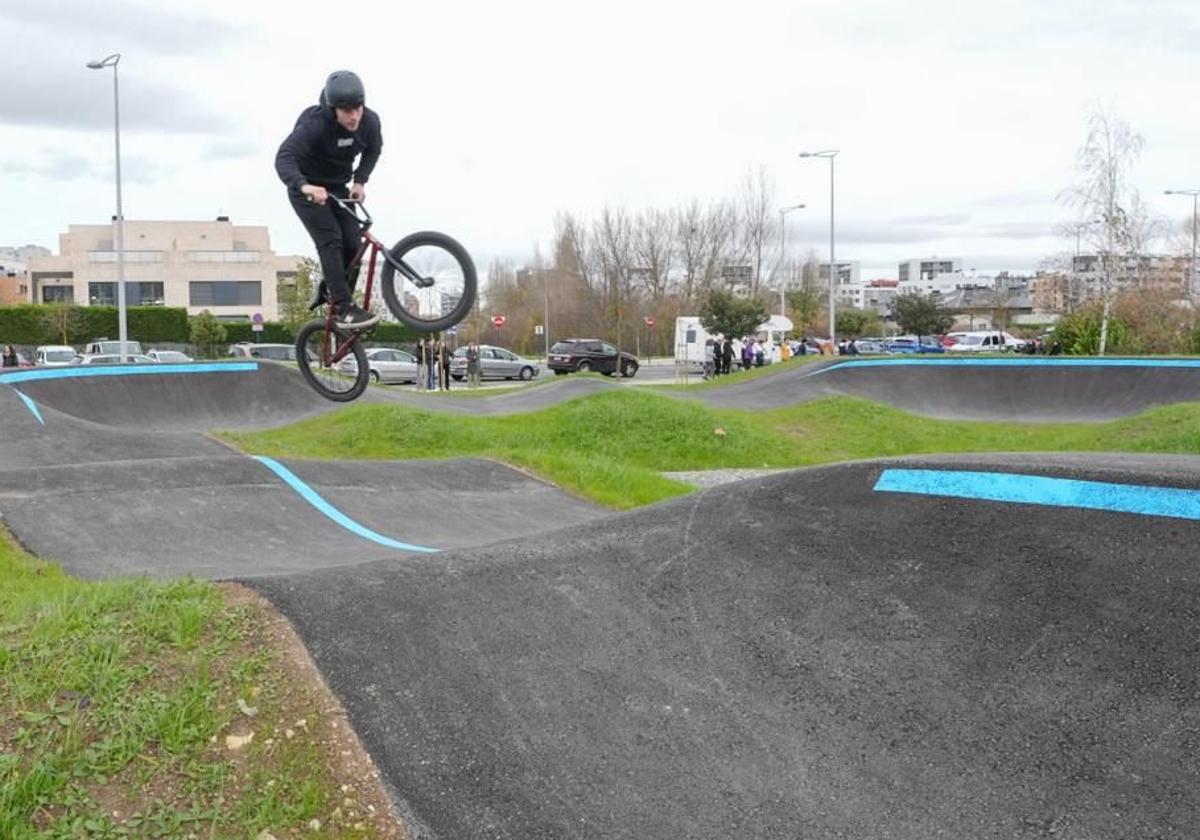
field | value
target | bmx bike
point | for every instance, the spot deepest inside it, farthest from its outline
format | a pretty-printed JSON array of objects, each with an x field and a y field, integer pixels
[{"x": 428, "y": 281}]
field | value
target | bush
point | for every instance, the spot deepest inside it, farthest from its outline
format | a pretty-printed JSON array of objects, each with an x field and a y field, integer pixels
[
  {"x": 1079, "y": 333},
  {"x": 208, "y": 334}
]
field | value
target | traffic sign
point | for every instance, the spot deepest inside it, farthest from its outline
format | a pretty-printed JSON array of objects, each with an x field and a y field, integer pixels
[
  {"x": 498, "y": 320},
  {"x": 649, "y": 321},
  {"x": 538, "y": 329},
  {"x": 256, "y": 322}
]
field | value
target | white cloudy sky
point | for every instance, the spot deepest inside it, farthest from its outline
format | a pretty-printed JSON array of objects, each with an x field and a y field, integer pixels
[{"x": 957, "y": 120}]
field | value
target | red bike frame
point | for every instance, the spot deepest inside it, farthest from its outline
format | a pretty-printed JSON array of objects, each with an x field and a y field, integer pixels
[{"x": 368, "y": 242}]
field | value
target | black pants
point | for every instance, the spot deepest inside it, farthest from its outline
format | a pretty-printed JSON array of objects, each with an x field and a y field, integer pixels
[{"x": 337, "y": 237}]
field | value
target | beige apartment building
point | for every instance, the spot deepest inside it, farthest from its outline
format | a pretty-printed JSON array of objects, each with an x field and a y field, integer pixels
[{"x": 228, "y": 269}]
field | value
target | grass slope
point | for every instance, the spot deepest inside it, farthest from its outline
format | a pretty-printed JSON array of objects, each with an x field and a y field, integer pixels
[
  {"x": 612, "y": 447},
  {"x": 116, "y": 699}
]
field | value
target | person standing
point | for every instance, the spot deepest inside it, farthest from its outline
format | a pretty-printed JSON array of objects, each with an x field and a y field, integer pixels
[
  {"x": 473, "y": 365},
  {"x": 726, "y": 355},
  {"x": 422, "y": 364},
  {"x": 432, "y": 349},
  {"x": 444, "y": 355},
  {"x": 10, "y": 357},
  {"x": 709, "y": 358}
]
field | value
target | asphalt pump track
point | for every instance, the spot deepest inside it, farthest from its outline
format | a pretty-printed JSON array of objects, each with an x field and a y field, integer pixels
[{"x": 977, "y": 646}]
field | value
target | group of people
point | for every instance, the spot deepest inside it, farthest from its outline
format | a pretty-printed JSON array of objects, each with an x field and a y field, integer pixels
[
  {"x": 719, "y": 353},
  {"x": 433, "y": 364}
]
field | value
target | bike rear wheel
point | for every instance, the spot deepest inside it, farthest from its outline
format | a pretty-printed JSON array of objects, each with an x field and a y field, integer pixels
[
  {"x": 340, "y": 380},
  {"x": 428, "y": 281}
]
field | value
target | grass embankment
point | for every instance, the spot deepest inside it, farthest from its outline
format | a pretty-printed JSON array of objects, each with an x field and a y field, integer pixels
[
  {"x": 117, "y": 700},
  {"x": 612, "y": 447}
]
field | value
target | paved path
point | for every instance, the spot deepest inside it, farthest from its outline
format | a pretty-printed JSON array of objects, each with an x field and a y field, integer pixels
[{"x": 883, "y": 649}]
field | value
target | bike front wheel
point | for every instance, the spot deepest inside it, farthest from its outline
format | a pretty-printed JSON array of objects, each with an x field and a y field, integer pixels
[
  {"x": 332, "y": 362},
  {"x": 428, "y": 281}
]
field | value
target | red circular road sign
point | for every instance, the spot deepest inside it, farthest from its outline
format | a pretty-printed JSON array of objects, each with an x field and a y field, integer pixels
[
  {"x": 649, "y": 321},
  {"x": 498, "y": 320}
]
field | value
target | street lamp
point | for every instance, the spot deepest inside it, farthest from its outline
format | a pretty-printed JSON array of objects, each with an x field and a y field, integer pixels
[
  {"x": 1192, "y": 273},
  {"x": 783, "y": 253},
  {"x": 122, "y": 333},
  {"x": 831, "y": 154}
]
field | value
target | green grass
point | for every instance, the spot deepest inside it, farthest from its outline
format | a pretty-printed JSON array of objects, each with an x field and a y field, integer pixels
[
  {"x": 116, "y": 696},
  {"x": 613, "y": 447}
]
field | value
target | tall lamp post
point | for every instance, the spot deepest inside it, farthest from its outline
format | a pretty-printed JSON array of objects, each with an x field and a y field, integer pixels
[
  {"x": 831, "y": 154},
  {"x": 1193, "y": 290},
  {"x": 122, "y": 332},
  {"x": 783, "y": 254}
]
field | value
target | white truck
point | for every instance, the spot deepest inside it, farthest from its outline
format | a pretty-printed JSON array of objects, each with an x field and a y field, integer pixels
[{"x": 690, "y": 336}]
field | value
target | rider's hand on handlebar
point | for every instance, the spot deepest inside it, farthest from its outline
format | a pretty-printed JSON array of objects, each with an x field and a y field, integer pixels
[
  {"x": 318, "y": 194},
  {"x": 358, "y": 192}
]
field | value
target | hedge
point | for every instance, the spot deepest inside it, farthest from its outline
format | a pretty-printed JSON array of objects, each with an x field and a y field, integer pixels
[{"x": 33, "y": 324}]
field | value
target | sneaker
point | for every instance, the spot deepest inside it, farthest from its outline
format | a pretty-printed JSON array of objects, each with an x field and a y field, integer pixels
[
  {"x": 354, "y": 317},
  {"x": 319, "y": 297}
]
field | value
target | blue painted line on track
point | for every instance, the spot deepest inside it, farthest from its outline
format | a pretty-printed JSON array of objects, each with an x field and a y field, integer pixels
[
  {"x": 31, "y": 405},
  {"x": 1015, "y": 362},
  {"x": 313, "y": 498},
  {"x": 80, "y": 371},
  {"x": 1019, "y": 488}
]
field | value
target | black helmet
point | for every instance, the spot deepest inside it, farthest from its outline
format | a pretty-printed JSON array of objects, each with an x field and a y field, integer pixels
[{"x": 344, "y": 89}]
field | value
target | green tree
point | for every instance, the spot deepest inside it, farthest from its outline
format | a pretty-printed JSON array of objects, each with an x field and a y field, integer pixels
[
  {"x": 294, "y": 298},
  {"x": 207, "y": 333},
  {"x": 855, "y": 322},
  {"x": 726, "y": 314},
  {"x": 920, "y": 314},
  {"x": 804, "y": 304},
  {"x": 64, "y": 320}
]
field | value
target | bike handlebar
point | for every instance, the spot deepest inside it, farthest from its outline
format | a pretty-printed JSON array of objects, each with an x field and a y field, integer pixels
[{"x": 345, "y": 204}]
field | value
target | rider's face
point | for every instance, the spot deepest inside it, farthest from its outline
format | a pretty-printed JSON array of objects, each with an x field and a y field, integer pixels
[{"x": 349, "y": 118}]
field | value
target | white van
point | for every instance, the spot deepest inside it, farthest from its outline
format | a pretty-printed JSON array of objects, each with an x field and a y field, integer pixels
[
  {"x": 54, "y": 355},
  {"x": 105, "y": 346},
  {"x": 984, "y": 342}
]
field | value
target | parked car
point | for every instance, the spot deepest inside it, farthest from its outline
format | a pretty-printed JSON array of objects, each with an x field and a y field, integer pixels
[
  {"x": 54, "y": 355},
  {"x": 171, "y": 357},
  {"x": 112, "y": 359},
  {"x": 912, "y": 344},
  {"x": 106, "y": 346},
  {"x": 590, "y": 354},
  {"x": 385, "y": 365},
  {"x": 495, "y": 363},
  {"x": 271, "y": 352},
  {"x": 985, "y": 342}
]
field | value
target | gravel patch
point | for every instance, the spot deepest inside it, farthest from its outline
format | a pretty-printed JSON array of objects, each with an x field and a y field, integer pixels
[{"x": 712, "y": 478}]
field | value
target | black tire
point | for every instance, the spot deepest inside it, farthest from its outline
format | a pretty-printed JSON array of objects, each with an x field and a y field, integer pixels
[
  {"x": 375, "y": 376},
  {"x": 456, "y": 275},
  {"x": 526, "y": 374},
  {"x": 456, "y": 378},
  {"x": 629, "y": 370},
  {"x": 584, "y": 367},
  {"x": 330, "y": 382}
]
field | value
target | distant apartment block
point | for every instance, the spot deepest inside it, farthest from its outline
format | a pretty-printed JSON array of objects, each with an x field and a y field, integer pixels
[
  {"x": 848, "y": 271},
  {"x": 14, "y": 278},
  {"x": 928, "y": 268},
  {"x": 227, "y": 269}
]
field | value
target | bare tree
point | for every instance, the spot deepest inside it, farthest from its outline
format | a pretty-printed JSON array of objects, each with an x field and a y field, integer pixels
[
  {"x": 570, "y": 248},
  {"x": 717, "y": 243},
  {"x": 654, "y": 248},
  {"x": 1104, "y": 191},
  {"x": 756, "y": 221}
]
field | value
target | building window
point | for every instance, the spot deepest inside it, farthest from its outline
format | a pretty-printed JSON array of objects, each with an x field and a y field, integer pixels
[
  {"x": 130, "y": 256},
  {"x": 58, "y": 294},
  {"x": 225, "y": 293},
  {"x": 224, "y": 256},
  {"x": 136, "y": 294}
]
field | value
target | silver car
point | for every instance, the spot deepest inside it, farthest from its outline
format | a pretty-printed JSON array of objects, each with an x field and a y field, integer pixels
[
  {"x": 495, "y": 363},
  {"x": 385, "y": 364}
]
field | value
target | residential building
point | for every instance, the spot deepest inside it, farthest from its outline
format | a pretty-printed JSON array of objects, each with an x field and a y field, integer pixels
[
  {"x": 1065, "y": 291},
  {"x": 927, "y": 268},
  {"x": 848, "y": 271},
  {"x": 227, "y": 269}
]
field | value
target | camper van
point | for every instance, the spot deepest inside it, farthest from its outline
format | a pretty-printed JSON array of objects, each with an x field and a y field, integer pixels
[{"x": 690, "y": 336}]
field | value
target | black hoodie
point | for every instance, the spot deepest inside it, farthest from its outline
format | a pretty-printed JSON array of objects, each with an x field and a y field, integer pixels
[{"x": 319, "y": 151}]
